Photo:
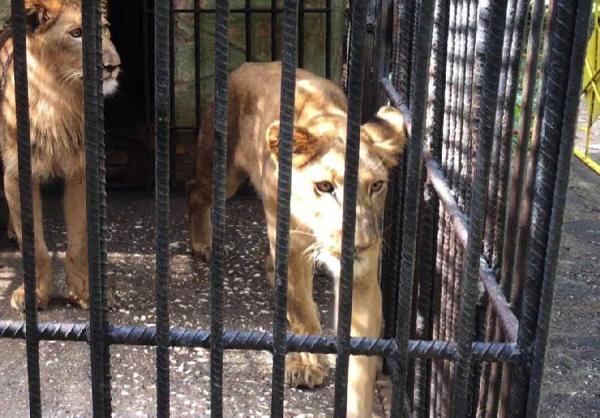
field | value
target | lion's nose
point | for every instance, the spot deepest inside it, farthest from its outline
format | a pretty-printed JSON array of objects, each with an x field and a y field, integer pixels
[{"x": 111, "y": 68}]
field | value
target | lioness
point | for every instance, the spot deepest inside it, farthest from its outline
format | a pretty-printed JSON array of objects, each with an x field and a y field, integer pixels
[
  {"x": 316, "y": 202},
  {"x": 54, "y": 68}
]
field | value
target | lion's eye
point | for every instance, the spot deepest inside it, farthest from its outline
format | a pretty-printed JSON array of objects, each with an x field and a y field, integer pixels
[
  {"x": 324, "y": 187},
  {"x": 377, "y": 186},
  {"x": 76, "y": 33}
]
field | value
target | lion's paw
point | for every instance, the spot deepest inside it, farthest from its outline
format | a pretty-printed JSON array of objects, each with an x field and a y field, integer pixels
[
  {"x": 201, "y": 252},
  {"x": 17, "y": 301},
  {"x": 300, "y": 372}
]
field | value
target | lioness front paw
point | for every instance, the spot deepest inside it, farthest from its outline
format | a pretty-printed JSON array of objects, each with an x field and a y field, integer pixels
[
  {"x": 201, "y": 252},
  {"x": 81, "y": 300},
  {"x": 301, "y": 372},
  {"x": 17, "y": 301}
]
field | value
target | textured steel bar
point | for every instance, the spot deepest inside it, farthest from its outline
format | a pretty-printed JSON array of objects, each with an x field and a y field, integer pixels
[
  {"x": 487, "y": 66},
  {"x": 563, "y": 165},
  {"x": 491, "y": 385},
  {"x": 518, "y": 174},
  {"x": 284, "y": 184},
  {"x": 256, "y": 340},
  {"x": 217, "y": 259},
  {"x": 93, "y": 120},
  {"x": 561, "y": 38},
  {"x": 273, "y": 12},
  {"x": 402, "y": 46},
  {"x": 419, "y": 84},
  {"x": 328, "y": 38},
  {"x": 19, "y": 35},
  {"x": 247, "y": 28},
  {"x": 355, "y": 98},
  {"x": 434, "y": 139},
  {"x": 198, "y": 67},
  {"x": 162, "y": 120}
]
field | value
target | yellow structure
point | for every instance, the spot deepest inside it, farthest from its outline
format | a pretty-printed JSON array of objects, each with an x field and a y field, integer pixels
[{"x": 591, "y": 90}]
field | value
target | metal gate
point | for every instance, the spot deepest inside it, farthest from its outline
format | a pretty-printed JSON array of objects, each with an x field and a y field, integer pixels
[{"x": 472, "y": 247}]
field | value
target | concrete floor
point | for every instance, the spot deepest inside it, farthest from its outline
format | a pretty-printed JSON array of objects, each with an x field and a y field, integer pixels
[{"x": 572, "y": 387}]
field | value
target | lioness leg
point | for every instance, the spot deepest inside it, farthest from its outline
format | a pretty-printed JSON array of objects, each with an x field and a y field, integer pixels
[
  {"x": 43, "y": 265},
  {"x": 76, "y": 263},
  {"x": 10, "y": 230},
  {"x": 200, "y": 200},
  {"x": 303, "y": 369},
  {"x": 366, "y": 322}
]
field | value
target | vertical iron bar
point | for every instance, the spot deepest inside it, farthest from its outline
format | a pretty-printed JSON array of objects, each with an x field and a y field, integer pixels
[
  {"x": 434, "y": 138},
  {"x": 197, "y": 67},
  {"x": 300, "y": 30},
  {"x": 488, "y": 56},
  {"x": 562, "y": 31},
  {"x": 563, "y": 165},
  {"x": 26, "y": 201},
  {"x": 493, "y": 198},
  {"x": 162, "y": 120},
  {"x": 288, "y": 96},
  {"x": 273, "y": 30},
  {"x": 419, "y": 84},
  {"x": 95, "y": 205},
  {"x": 355, "y": 97},
  {"x": 518, "y": 176},
  {"x": 493, "y": 383},
  {"x": 248, "y": 28},
  {"x": 217, "y": 259},
  {"x": 173, "y": 143},
  {"x": 328, "y": 38}
]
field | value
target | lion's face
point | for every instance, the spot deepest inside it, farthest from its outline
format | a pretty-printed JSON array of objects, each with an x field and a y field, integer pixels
[
  {"x": 318, "y": 185},
  {"x": 56, "y": 38}
]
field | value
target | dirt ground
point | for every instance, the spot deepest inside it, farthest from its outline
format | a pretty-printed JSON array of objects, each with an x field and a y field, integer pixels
[{"x": 572, "y": 387}]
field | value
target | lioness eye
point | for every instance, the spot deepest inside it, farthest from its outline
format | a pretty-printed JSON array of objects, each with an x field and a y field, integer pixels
[
  {"x": 76, "y": 33},
  {"x": 324, "y": 187},
  {"x": 377, "y": 186}
]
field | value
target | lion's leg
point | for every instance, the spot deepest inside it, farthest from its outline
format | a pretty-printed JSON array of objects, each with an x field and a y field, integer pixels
[
  {"x": 76, "y": 263},
  {"x": 43, "y": 263},
  {"x": 200, "y": 200},
  {"x": 10, "y": 229},
  {"x": 366, "y": 322},
  {"x": 303, "y": 369}
]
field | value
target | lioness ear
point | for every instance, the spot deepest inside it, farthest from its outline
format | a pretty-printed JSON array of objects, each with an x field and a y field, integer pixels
[
  {"x": 40, "y": 12},
  {"x": 386, "y": 135},
  {"x": 305, "y": 145}
]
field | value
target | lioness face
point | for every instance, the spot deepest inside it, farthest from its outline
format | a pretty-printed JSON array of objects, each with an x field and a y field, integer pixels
[
  {"x": 318, "y": 186},
  {"x": 57, "y": 26}
]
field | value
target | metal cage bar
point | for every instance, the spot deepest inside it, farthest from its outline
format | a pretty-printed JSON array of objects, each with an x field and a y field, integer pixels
[
  {"x": 217, "y": 259},
  {"x": 257, "y": 340},
  {"x": 358, "y": 29},
  {"x": 487, "y": 72},
  {"x": 95, "y": 205},
  {"x": 419, "y": 83},
  {"x": 286, "y": 123},
  {"x": 26, "y": 202},
  {"x": 162, "y": 119}
]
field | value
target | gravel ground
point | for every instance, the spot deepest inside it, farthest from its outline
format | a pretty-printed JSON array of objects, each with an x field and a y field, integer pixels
[
  {"x": 65, "y": 370},
  {"x": 572, "y": 387}
]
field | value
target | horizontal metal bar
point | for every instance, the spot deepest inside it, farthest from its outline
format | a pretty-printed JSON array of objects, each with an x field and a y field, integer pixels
[
  {"x": 244, "y": 10},
  {"x": 257, "y": 340},
  {"x": 459, "y": 221}
]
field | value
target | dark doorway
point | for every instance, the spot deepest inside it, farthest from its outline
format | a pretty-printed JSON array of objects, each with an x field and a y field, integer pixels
[{"x": 128, "y": 123}]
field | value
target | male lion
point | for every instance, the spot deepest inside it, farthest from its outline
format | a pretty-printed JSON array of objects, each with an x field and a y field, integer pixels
[
  {"x": 54, "y": 68},
  {"x": 316, "y": 202}
]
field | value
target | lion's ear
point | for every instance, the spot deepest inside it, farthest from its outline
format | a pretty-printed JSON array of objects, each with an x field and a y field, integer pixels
[
  {"x": 40, "y": 12},
  {"x": 386, "y": 135},
  {"x": 305, "y": 145}
]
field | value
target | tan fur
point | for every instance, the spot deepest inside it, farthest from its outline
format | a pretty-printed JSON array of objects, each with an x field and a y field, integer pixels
[
  {"x": 316, "y": 217},
  {"x": 54, "y": 68}
]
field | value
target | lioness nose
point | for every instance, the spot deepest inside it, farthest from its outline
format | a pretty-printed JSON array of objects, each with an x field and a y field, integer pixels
[{"x": 111, "y": 68}]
